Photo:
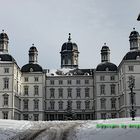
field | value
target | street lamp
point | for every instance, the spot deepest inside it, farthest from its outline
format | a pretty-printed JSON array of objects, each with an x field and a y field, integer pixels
[{"x": 131, "y": 85}]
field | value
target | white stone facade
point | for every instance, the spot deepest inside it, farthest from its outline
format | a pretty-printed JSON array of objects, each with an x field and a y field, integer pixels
[{"x": 33, "y": 93}]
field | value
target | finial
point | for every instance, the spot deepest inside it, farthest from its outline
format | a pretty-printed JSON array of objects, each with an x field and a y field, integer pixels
[
  {"x": 69, "y": 39},
  {"x": 3, "y": 30},
  {"x": 104, "y": 44},
  {"x": 33, "y": 44},
  {"x": 134, "y": 29}
]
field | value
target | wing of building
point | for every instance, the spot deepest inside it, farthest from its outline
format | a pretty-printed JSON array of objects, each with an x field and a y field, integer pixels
[{"x": 35, "y": 93}]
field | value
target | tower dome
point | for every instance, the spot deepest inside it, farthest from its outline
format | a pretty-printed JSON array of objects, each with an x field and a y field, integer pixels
[
  {"x": 69, "y": 54},
  {"x": 32, "y": 66},
  {"x": 4, "y": 40},
  {"x": 105, "y": 64},
  {"x": 134, "y": 40},
  {"x": 33, "y": 53},
  {"x": 69, "y": 46},
  {"x": 105, "y": 53}
]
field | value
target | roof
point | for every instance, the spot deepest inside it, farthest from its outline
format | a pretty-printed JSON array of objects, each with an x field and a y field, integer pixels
[
  {"x": 106, "y": 66},
  {"x": 3, "y": 36},
  {"x": 31, "y": 68},
  {"x": 132, "y": 55},
  {"x": 69, "y": 46},
  {"x": 7, "y": 57}
]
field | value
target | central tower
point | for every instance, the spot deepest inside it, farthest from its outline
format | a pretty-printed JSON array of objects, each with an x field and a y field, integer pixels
[{"x": 69, "y": 54}]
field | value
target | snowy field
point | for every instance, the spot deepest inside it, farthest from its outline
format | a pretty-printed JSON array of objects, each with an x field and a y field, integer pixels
[{"x": 112, "y": 129}]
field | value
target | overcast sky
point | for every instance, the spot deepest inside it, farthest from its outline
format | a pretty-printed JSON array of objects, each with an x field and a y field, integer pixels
[{"x": 46, "y": 23}]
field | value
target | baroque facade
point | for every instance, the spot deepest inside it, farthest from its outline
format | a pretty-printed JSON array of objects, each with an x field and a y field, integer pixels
[{"x": 34, "y": 93}]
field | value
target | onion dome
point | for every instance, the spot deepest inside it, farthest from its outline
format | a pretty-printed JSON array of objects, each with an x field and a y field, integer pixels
[
  {"x": 106, "y": 66},
  {"x": 31, "y": 68},
  {"x": 69, "y": 46},
  {"x": 134, "y": 33},
  {"x": 3, "y": 36}
]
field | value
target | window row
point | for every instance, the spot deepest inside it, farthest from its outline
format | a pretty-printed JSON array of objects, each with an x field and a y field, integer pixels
[
  {"x": 69, "y": 92},
  {"x": 26, "y": 104},
  {"x": 112, "y": 89},
  {"x": 112, "y": 78},
  {"x": 69, "y": 82},
  {"x": 69, "y": 105},
  {"x": 26, "y": 79},
  {"x": 103, "y": 103},
  {"x": 36, "y": 90},
  {"x": 28, "y": 117},
  {"x": 112, "y": 115}
]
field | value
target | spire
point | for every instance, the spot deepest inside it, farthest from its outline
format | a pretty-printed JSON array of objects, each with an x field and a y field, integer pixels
[
  {"x": 4, "y": 40},
  {"x": 134, "y": 40},
  {"x": 69, "y": 39},
  {"x": 105, "y": 53},
  {"x": 33, "y": 53}
]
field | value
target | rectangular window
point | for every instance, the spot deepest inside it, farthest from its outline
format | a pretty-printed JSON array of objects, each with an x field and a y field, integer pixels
[
  {"x": 60, "y": 105},
  {"x": 6, "y": 70},
  {"x": 78, "y": 91},
  {"x": 102, "y": 78},
  {"x": 60, "y": 92},
  {"x": 25, "y": 104},
  {"x": 69, "y": 92},
  {"x": 87, "y": 104},
  {"x": 52, "y": 103},
  {"x": 52, "y": 90},
  {"x": 25, "y": 79},
  {"x": 86, "y": 92},
  {"x": 5, "y": 99},
  {"x": 36, "y": 79},
  {"x": 113, "y": 103},
  {"x": 60, "y": 82},
  {"x": 52, "y": 82},
  {"x": 78, "y": 82},
  {"x": 36, "y": 90},
  {"x": 113, "y": 89},
  {"x": 36, "y": 105},
  {"x": 25, "y": 116},
  {"x": 86, "y": 81},
  {"x": 36, "y": 117},
  {"x": 78, "y": 104},
  {"x": 6, "y": 83},
  {"x": 69, "y": 82},
  {"x": 103, "y": 104},
  {"x": 102, "y": 89},
  {"x": 26, "y": 88},
  {"x": 103, "y": 115},
  {"x": 112, "y": 78},
  {"x": 131, "y": 68},
  {"x": 5, "y": 114}
]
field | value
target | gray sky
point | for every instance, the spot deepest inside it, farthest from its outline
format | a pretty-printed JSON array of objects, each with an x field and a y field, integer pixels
[{"x": 46, "y": 23}]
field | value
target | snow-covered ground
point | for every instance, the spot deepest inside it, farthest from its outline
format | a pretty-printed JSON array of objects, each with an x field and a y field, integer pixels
[{"x": 116, "y": 129}]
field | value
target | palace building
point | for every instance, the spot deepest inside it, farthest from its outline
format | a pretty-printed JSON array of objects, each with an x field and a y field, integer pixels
[{"x": 35, "y": 93}]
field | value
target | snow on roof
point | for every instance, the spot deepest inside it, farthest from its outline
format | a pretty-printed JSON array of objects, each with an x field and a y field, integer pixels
[{"x": 58, "y": 72}]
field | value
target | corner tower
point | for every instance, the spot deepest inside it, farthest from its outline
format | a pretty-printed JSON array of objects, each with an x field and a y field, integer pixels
[
  {"x": 4, "y": 40},
  {"x": 69, "y": 54}
]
